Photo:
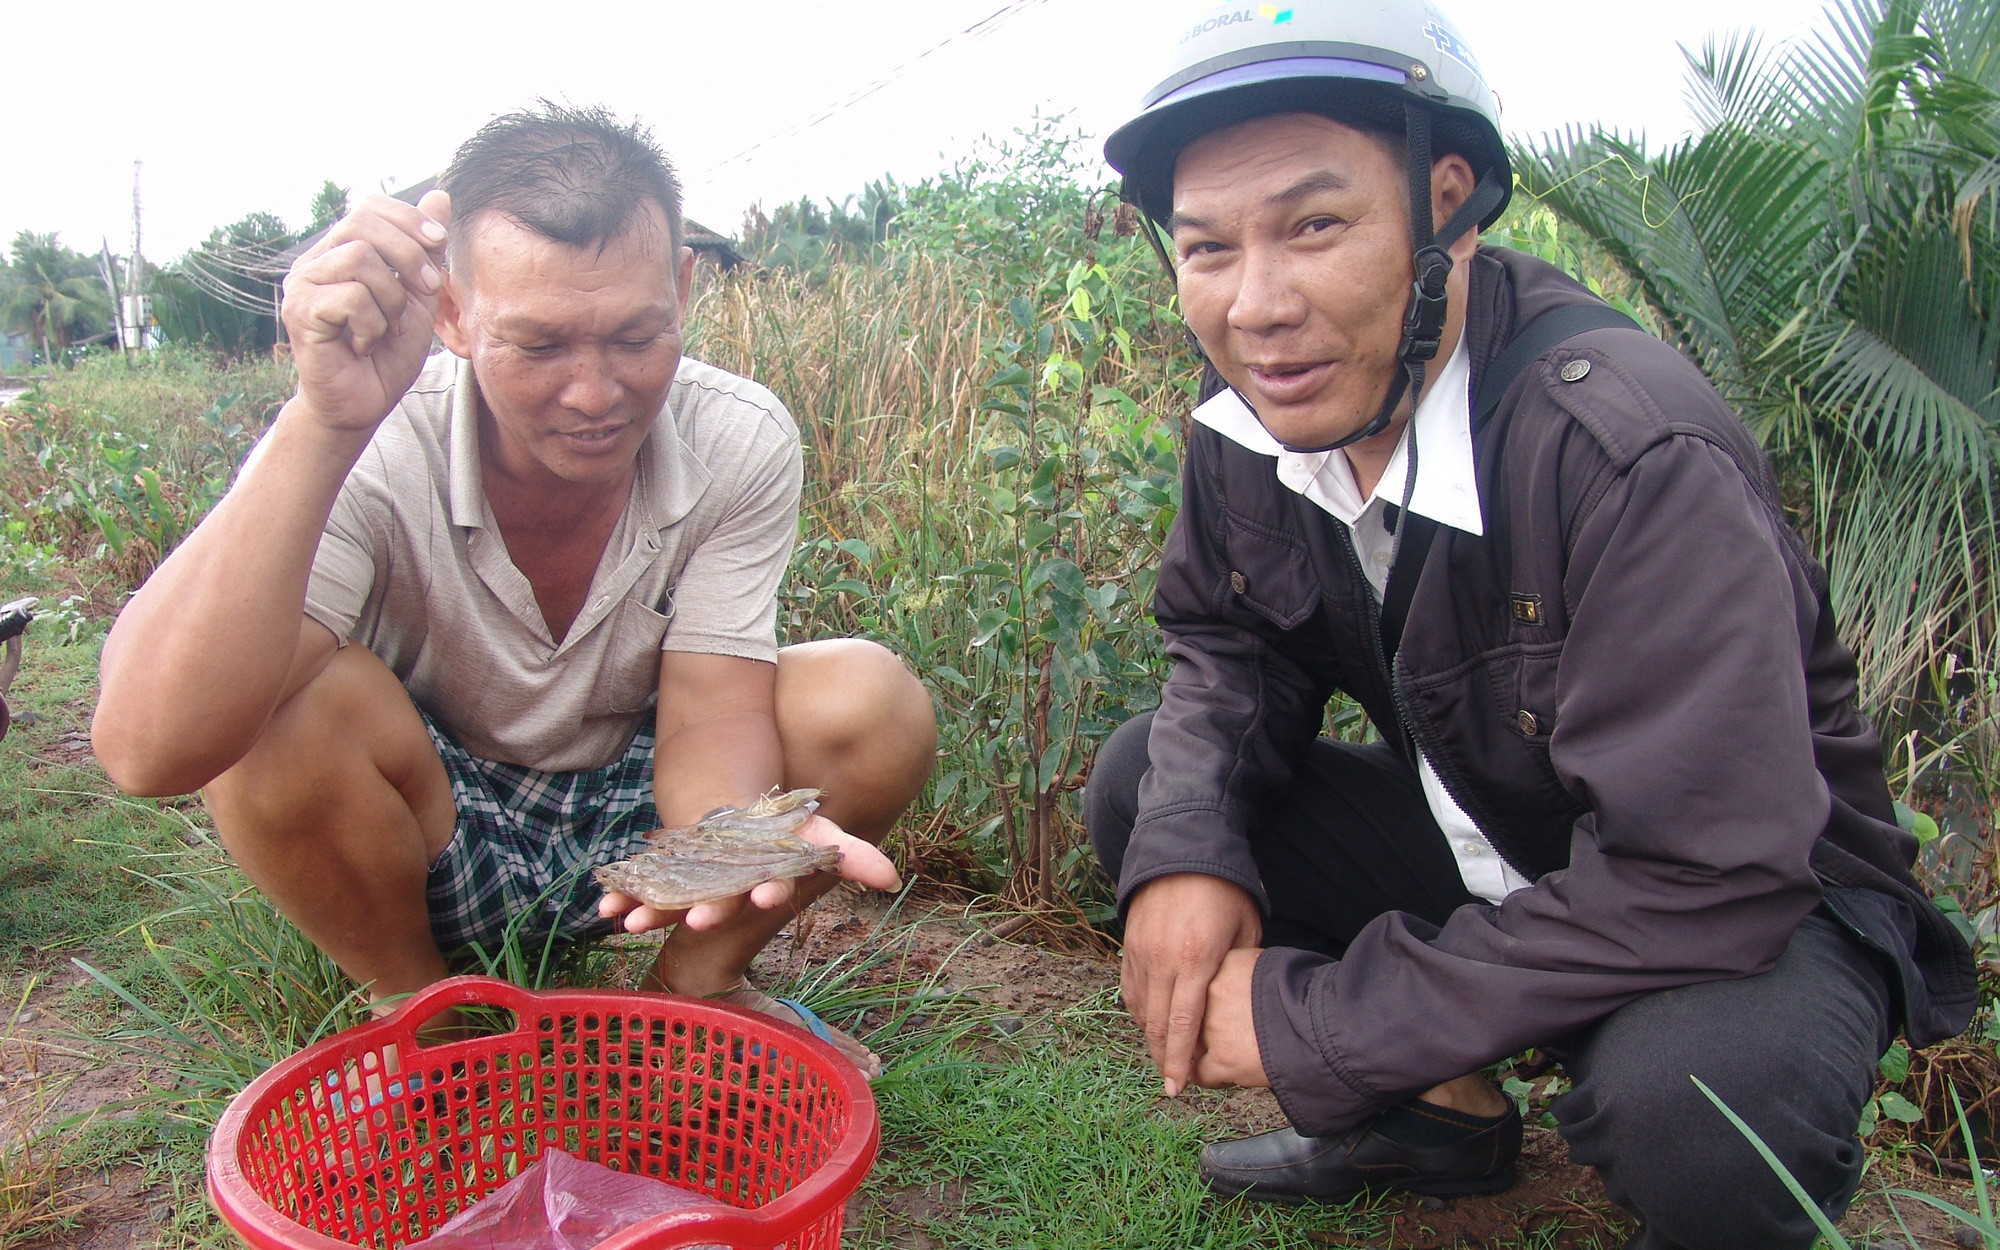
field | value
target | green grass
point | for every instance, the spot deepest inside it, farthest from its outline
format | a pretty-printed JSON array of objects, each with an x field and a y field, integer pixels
[
  {"x": 1055, "y": 1136},
  {"x": 66, "y": 863},
  {"x": 1060, "y": 1137},
  {"x": 1063, "y": 1144}
]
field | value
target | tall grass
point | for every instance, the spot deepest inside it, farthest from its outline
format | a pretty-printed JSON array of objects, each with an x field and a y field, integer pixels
[
  {"x": 225, "y": 985},
  {"x": 991, "y": 467}
]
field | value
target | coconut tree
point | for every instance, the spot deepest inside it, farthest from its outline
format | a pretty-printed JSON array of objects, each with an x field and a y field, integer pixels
[
  {"x": 50, "y": 293},
  {"x": 1825, "y": 247}
]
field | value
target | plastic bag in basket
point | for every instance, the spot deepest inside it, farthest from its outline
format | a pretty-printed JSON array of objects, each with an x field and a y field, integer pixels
[{"x": 561, "y": 1202}]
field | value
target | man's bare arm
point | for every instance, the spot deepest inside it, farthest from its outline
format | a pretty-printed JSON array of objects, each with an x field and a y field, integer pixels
[
  {"x": 718, "y": 734},
  {"x": 207, "y": 649}
]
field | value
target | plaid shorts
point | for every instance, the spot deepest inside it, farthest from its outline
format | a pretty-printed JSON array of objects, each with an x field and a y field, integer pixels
[{"x": 526, "y": 841}]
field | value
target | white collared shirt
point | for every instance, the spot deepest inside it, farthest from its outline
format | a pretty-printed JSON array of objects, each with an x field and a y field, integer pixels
[{"x": 1447, "y": 492}]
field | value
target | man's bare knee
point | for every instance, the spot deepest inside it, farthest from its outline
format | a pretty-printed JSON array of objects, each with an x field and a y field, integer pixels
[
  {"x": 847, "y": 693},
  {"x": 849, "y": 710},
  {"x": 352, "y": 720}
]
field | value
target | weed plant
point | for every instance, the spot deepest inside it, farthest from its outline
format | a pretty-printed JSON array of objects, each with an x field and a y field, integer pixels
[
  {"x": 1980, "y": 1222},
  {"x": 238, "y": 989},
  {"x": 992, "y": 469},
  {"x": 105, "y": 468},
  {"x": 37, "y": 1196}
]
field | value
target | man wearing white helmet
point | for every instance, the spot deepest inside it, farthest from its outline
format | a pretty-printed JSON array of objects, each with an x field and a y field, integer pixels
[{"x": 1623, "y": 807}]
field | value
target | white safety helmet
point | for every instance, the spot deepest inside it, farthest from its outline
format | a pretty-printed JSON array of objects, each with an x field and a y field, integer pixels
[
  {"x": 1382, "y": 65},
  {"x": 1359, "y": 60}
]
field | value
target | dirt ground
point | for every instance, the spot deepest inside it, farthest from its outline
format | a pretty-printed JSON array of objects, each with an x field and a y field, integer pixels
[
  {"x": 1559, "y": 1201},
  {"x": 47, "y": 1071}
]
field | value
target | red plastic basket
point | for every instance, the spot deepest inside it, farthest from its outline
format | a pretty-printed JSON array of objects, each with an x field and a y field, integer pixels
[{"x": 368, "y": 1139}]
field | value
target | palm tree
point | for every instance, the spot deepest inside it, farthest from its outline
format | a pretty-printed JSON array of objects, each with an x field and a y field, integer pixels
[
  {"x": 51, "y": 294},
  {"x": 1825, "y": 247}
]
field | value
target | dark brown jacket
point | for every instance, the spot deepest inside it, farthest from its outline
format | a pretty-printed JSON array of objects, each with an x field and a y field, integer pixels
[{"x": 1666, "y": 743}]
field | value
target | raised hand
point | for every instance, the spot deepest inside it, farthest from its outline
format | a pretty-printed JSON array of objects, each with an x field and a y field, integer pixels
[{"x": 360, "y": 306}]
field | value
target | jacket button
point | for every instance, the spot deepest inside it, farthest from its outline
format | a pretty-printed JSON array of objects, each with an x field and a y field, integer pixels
[
  {"x": 1238, "y": 583},
  {"x": 1526, "y": 720},
  {"x": 1575, "y": 371}
]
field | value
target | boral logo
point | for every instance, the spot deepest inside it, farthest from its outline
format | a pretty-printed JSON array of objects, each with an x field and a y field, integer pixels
[
  {"x": 1447, "y": 41},
  {"x": 1274, "y": 14}
]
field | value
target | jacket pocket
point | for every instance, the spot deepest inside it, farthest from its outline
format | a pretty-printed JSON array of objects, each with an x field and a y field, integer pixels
[
  {"x": 1477, "y": 714},
  {"x": 1523, "y": 680},
  {"x": 1269, "y": 572},
  {"x": 629, "y": 680}
]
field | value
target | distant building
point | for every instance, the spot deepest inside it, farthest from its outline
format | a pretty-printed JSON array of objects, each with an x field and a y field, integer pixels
[
  {"x": 710, "y": 246},
  {"x": 15, "y": 350}
]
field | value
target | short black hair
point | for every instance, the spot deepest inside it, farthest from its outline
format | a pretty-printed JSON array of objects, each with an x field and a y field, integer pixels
[{"x": 578, "y": 176}]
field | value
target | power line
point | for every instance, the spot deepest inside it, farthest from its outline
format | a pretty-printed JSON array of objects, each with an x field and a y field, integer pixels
[
  {"x": 219, "y": 288},
  {"x": 978, "y": 30}
]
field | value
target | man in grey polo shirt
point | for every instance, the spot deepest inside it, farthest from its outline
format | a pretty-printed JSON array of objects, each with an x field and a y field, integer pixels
[{"x": 420, "y": 657}]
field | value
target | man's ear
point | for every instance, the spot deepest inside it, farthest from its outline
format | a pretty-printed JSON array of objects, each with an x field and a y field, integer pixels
[
  {"x": 453, "y": 329},
  {"x": 684, "y": 279},
  {"x": 1452, "y": 183}
]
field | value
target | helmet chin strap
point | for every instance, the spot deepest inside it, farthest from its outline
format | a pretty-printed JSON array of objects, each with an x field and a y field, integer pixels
[{"x": 1424, "y": 314}]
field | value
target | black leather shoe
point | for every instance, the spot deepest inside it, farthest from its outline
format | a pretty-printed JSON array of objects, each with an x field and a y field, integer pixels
[{"x": 1285, "y": 1167}]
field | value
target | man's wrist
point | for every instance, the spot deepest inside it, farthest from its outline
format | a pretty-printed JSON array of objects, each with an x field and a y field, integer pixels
[{"x": 302, "y": 425}]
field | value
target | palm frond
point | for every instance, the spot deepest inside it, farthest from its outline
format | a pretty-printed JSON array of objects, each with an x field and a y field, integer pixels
[
  {"x": 1909, "y": 350},
  {"x": 1718, "y": 233},
  {"x": 1967, "y": 33},
  {"x": 1727, "y": 83},
  {"x": 1900, "y": 407},
  {"x": 1908, "y": 554},
  {"x": 1827, "y": 78}
]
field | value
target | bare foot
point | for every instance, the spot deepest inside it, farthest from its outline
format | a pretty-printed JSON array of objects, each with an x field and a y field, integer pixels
[{"x": 758, "y": 1000}]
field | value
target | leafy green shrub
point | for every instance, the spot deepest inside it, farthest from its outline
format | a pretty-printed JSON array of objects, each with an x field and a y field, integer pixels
[
  {"x": 105, "y": 468},
  {"x": 988, "y": 402}
]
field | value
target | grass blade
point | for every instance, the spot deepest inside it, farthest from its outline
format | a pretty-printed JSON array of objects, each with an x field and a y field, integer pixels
[
  {"x": 1798, "y": 1191},
  {"x": 1979, "y": 1190},
  {"x": 1984, "y": 1227}
]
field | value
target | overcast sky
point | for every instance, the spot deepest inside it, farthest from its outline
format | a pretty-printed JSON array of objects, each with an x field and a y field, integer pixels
[{"x": 239, "y": 107}]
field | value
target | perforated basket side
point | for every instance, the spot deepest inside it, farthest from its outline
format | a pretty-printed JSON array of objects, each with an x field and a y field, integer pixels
[{"x": 368, "y": 1139}]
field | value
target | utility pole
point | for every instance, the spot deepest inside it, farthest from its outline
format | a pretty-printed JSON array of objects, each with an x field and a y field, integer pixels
[
  {"x": 107, "y": 268},
  {"x": 134, "y": 314}
]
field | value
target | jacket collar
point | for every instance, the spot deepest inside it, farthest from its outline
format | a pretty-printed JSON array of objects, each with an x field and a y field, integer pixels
[{"x": 1447, "y": 490}]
